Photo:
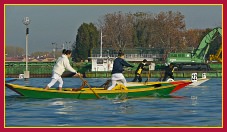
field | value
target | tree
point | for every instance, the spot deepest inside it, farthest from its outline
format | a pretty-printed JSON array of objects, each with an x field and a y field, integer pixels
[
  {"x": 14, "y": 51},
  {"x": 169, "y": 29},
  {"x": 193, "y": 37},
  {"x": 165, "y": 31},
  {"x": 144, "y": 29},
  {"x": 118, "y": 30},
  {"x": 86, "y": 40}
]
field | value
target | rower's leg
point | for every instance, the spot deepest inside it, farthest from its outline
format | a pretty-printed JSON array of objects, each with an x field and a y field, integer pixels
[
  {"x": 135, "y": 78},
  {"x": 113, "y": 85},
  {"x": 140, "y": 78},
  {"x": 165, "y": 77},
  {"x": 52, "y": 82},
  {"x": 60, "y": 88},
  {"x": 46, "y": 88},
  {"x": 60, "y": 84}
]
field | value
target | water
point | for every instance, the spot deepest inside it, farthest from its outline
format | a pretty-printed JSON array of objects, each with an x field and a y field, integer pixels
[{"x": 190, "y": 107}]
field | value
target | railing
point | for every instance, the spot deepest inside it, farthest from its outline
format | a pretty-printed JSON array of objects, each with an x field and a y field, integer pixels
[
  {"x": 134, "y": 56},
  {"x": 45, "y": 72}
]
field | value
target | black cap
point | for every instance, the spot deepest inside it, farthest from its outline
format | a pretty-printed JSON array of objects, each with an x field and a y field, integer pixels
[
  {"x": 120, "y": 53},
  {"x": 144, "y": 60}
]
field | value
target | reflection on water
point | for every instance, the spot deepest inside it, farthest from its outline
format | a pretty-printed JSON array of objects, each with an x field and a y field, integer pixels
[
  {"x": 187, "y": 107},
  {"x": 194, "y": 100}
]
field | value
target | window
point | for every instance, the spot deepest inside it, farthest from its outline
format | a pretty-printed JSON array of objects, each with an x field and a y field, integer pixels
[{"x": 99, "y": 61}]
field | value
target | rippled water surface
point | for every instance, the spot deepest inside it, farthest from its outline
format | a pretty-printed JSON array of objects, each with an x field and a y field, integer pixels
[{"x": 191, "y": 106}]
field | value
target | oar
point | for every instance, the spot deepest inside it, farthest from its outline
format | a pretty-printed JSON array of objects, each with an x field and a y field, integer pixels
[
  {"x": 149, "y": 73},
  {"x": 148, "y": 77},
  {"x": 90, "y": 87},
  {"x": 161, "y": 76},
  {"x": 151, "y": 67},
  {"x": 68, "y": 74}
]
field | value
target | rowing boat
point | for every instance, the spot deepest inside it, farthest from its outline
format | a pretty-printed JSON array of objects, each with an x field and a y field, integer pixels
[
  {"x": 7, "y": 80},
  {"x": 132, "y": 90},
  {"x": 195, "y": 81},
  {"x": 198, "y": 82}
]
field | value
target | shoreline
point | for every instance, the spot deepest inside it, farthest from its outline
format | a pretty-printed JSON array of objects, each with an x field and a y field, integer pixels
[{"x": 130, "y": 74}]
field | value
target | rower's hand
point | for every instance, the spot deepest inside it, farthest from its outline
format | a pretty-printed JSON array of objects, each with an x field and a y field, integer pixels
[
  {"x": 85, "y": 82},
  {"x": 78, "y": 74}
]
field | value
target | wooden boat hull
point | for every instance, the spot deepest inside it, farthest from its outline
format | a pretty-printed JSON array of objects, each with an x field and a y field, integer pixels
[{"x": 134, "y": 91}]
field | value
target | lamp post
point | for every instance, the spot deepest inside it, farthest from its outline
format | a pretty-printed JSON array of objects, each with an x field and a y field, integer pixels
[
  {"x": 26, "y": 22},
  {"x": 108, "y": 53},
  {"x": 101, "y": 44}
]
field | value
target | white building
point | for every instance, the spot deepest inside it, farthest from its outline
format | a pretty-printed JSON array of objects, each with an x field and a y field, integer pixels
[
  {"x": 102, "y": 60},
  {"x": 106, "y": 63},
  {"x": 102, "y": 63}
]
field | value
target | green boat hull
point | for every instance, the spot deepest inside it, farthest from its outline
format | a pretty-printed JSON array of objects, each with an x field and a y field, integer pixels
[{"x": 139, "y": 90}]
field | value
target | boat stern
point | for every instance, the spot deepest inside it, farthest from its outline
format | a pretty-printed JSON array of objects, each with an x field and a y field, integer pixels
[{"x": 10, "y": 86}]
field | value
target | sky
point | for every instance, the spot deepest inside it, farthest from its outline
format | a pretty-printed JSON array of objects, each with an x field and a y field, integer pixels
[{"x": 59, "y": 24}]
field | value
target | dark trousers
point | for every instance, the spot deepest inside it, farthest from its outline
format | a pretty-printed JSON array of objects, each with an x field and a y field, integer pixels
[
  {"x": 168, "y": 75},
  {"x": 137, "y": 77}
]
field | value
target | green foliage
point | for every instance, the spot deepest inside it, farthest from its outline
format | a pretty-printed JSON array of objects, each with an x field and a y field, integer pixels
[
  {"x": 82, "y": 67},
  {"x": 86, "y": 40}
]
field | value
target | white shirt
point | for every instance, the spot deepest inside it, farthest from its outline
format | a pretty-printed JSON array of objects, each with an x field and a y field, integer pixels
[{"x": 61, "y": 64}]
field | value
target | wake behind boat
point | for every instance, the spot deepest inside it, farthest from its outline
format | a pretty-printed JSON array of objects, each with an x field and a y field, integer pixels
[{"x": 132, "y": 90}]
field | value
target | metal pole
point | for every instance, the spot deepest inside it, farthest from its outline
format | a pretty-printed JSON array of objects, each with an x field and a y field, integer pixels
[
  {"x": 26, "y": 22},
  {"x": 26, "y": 48},
  {"x": 101, "y": 45}
]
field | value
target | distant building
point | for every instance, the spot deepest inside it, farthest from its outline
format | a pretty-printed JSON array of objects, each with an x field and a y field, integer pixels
[
  {"x": 30, "y": 59},
  {"x": 14, "y": 59},
  {"x": 102, "y": 63},
  {"x": 105, "y": 63}
]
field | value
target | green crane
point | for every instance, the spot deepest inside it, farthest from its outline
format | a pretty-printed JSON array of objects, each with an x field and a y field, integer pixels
[{"x": 196, "y": 59}]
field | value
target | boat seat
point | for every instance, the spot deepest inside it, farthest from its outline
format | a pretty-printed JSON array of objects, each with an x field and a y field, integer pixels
[{"x": 120, "y": 87}]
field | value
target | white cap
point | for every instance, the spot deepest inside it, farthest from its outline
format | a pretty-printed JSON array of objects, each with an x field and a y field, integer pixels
[{"x": 166, "y": 64}]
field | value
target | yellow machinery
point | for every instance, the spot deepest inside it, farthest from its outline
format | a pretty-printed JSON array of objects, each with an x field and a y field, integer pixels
[{"x": 217, "y": 56}]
